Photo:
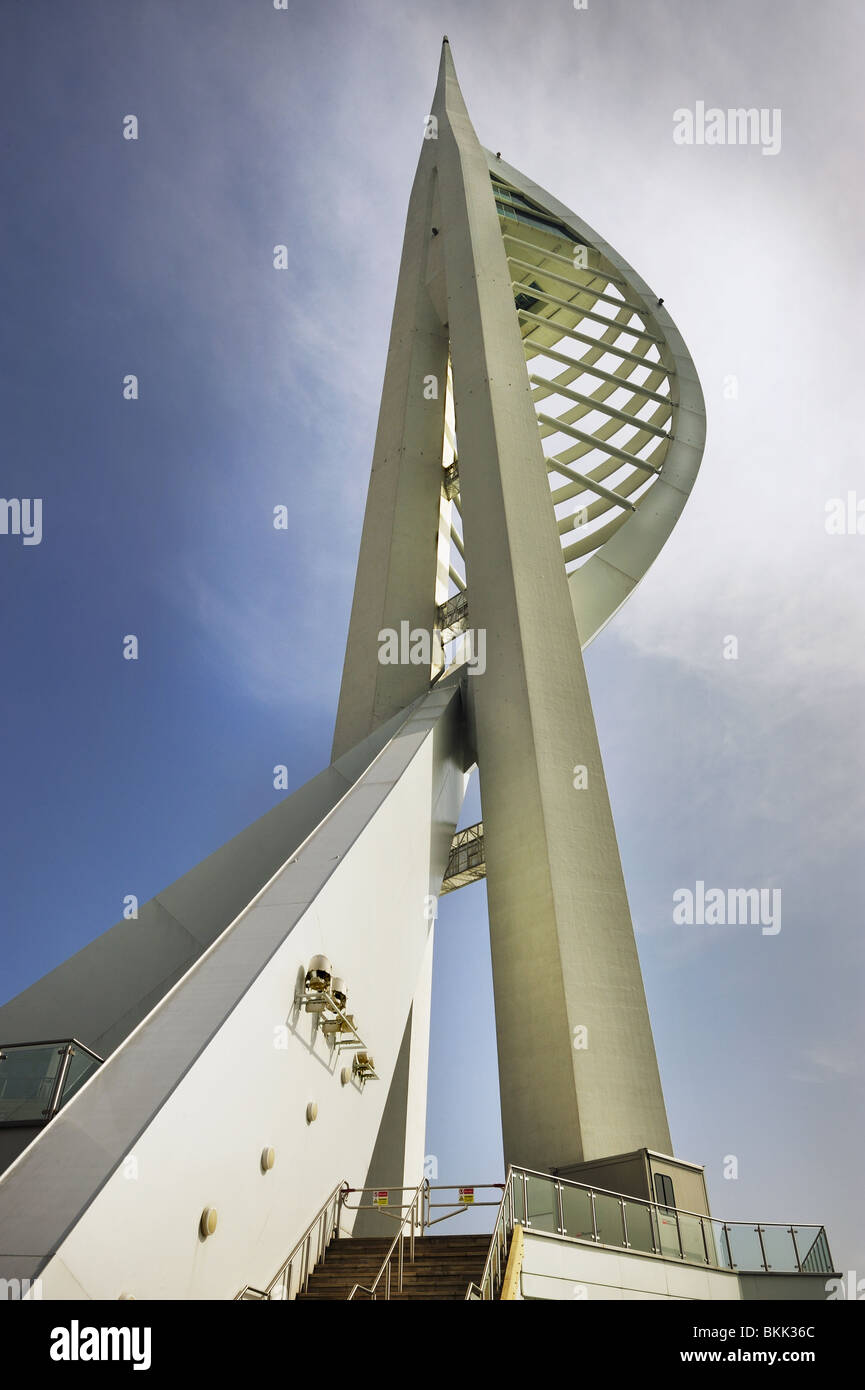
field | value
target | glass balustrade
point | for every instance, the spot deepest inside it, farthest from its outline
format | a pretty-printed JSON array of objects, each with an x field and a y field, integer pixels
[
  {"x": 608, "y": 1217},
  {"x": 813, "y": 1249},
  {"x": 641, "y": 1232},
  {"x": 579, "y": 1212},
  {"x": 542, "y": 1203},
  {"x": 36, "y": 1079}
]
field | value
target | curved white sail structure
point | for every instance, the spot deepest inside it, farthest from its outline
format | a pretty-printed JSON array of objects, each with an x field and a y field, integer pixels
[{"x": 618, "y": 402}]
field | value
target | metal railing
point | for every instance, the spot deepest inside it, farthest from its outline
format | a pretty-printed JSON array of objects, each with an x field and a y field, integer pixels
[
  {"x": 419, "y": 1207},
  {"x": 558, "y": 1206},
  {"x": 494, "y": 1268},
  {"x": 292, "y": 1277},
  {"x": 414, "y": 1215},
  {"x": 466, "y": 1199},
  {"x": 579, "y": 1212}
]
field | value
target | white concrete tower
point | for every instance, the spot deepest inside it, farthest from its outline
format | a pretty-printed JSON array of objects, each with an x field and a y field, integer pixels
[
  {"x": 501, "y": 277},
  {"x": 541, "y": 427}
]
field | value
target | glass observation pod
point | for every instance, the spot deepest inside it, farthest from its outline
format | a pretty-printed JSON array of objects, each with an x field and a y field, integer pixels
[{"x": 37, "y": 1078}]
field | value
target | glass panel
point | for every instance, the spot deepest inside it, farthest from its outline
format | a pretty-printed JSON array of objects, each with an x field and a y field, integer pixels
[
  {"x": 668, "y": 1232},
  {"x": 717, "y": 1244},
  {"x": 780, "y": 1251},
  {"x": 639, "y": 1219},
  {"x": 691, "y": 1231},
  {"x": 813, "y": 1249},
  {"x": 577, "y": 1211},
  {"x": 81, "y": 1066},
  {"x": 543, "y": 1206},
  {"x": 27, "y": 1077},
  {"x": 745, "y": 1245},
  {"x": 608, "y": 1215}
]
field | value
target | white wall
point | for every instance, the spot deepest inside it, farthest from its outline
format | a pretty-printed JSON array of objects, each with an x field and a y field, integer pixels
[
  {"x": 355, "y": 893},
  {"x": 561, "y": 1269},
  {"x": 554, "y": 1268}
]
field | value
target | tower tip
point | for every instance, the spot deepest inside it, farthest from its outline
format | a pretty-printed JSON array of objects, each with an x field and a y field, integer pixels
[{"x": 446, "y": 74}]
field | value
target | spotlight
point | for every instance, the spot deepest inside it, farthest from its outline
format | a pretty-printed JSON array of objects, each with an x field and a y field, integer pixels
[
  {"x": 364, "y": 1066},
  {"x": 319, "y": 974}
]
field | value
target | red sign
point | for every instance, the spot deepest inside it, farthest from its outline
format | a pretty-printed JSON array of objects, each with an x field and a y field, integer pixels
[
  {"x": 467, "y": 1195},
  {"x": 380, "y": 1198}
]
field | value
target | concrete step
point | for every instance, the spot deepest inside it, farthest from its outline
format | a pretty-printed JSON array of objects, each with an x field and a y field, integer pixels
[
  {"x": 442, "y": 1269},
  {"x": 366, "y": 1276},
  {"x": 427, "y": 1242},
  {"x": 340, "y": 1261},
  {"x": 451, "y": 1270},
  {"x": 394, "y": 1298},
  {"x": 420, "y": 1288}
]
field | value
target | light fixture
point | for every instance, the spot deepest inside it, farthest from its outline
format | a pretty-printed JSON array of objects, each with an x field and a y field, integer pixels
[
  {"x": 338, "y": 992},
  {"x": 207, "y": 1224},
  {"x": 364, "y": 1066},
  {"x": 319, "y": 974},
  {"x": 317, "y": 983}
]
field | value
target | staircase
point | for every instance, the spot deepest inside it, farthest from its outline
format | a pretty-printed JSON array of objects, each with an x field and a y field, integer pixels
[{"x": 443, "y": 1268}]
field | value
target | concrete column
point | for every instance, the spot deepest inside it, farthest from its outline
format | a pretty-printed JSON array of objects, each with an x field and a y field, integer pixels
[
  {"x": 396, "y": 570},
  {"x": 563, "y": 950}
]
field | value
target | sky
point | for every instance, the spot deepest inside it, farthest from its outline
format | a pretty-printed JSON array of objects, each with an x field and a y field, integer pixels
[{"x": 257, "y": 388}]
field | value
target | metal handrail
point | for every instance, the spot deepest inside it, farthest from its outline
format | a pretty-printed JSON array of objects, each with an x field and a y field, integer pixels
[
  {"x": 325, "y": 1229},
  {"x": 459, "y": 1207},
  {"x": 375, "y": 1206},
  {"x": 54, "y": 1042},
  {"x": 324, "y": 1225},
  {"x": 498, "y": 1243},
  {"x": 415, "y": 1211},
  {"x": 648, "y": 1202},
  {"x": 427, "y": 1219}
]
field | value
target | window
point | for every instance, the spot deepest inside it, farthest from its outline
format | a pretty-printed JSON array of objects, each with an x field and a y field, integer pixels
[
  {"x": 664, "y": 1194},
  {"x": 510, "y": 203},
  {"x": 527, "y": 301}
]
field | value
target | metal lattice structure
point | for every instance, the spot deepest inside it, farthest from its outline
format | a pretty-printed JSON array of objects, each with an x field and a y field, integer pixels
[
  {"x": 616, "y": 394},
  {"x": 466, "y": 863}
]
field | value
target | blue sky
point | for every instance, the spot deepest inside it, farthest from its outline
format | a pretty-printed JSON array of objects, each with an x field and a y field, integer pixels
[{"x": 257, "y": 387}]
